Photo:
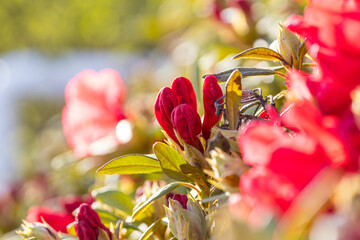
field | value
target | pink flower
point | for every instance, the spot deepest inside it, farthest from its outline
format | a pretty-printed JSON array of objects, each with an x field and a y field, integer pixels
[{"x": 93, "y": 109}]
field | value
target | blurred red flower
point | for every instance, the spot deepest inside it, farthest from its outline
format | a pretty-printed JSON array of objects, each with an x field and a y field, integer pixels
[
  {"x": 94, "y": 106},
  {"x": 61, "y": 217},
  {"x": 331, "y": 29},
  {"x": 284, "y": 164}
]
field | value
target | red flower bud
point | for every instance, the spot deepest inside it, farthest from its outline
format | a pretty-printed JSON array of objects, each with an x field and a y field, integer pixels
[
  {"x": 184, "y": 92},
  {"x": 87, "y": 219},
  {"x": 211, "y": 93},
  {"x": 182, "y": 199},
  {"x": 166, "y": 101},
  {"x": 84, "y": 231},
  {"x": 187, "y": 123}
]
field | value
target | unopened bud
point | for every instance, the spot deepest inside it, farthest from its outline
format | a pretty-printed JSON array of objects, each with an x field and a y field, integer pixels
[
  {"x": 184, "y": 92},
  {"x": 40, "y": 231},
  {"x": 211, "y": 93},
  {"x": 166, "y": 101},
  {"x": 289, "y": 45},
  {"x": 187, "y": 124},
  {"x": 186, "y": 222},
  {"x": 88, "y": 219}
]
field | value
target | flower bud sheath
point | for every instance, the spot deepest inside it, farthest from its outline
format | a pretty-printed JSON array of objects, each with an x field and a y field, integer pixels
[{"x": 211, "y": 93}]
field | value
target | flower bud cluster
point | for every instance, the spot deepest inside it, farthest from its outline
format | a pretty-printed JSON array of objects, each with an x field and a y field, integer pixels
[{"x": 176, "y": 110}]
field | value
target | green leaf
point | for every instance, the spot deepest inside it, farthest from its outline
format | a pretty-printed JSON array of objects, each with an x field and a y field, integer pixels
[
  {"x": 261, "y": 53},
  {"x": 171, "y": 161},
  {"x": 114, "y": 198},
  {"x": 161, "y": 192},
  {"x": 150, "y": 230},
  {"x": 131, "y": 164},
  {"x": 233, "y": 99},
  {"x": 245, "y": 72}
]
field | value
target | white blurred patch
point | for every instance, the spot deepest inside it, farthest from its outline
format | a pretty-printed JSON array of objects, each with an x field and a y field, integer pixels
[{"x": 124, "y": 131}]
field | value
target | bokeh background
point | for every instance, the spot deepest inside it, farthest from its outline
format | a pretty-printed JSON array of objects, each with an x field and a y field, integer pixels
[{"x": 44, "y": 43}]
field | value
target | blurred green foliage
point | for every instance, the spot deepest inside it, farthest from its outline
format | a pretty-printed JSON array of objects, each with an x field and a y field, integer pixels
[{"x": 57, "y": 25}]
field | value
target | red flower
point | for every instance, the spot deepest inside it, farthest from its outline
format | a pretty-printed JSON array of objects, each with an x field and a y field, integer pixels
[
  {"x": 278, "y": 158},
  {"x": 93, "y": 109},
  {"x": 58, "y": 219},
  {"x": 211, "y": 93},
  {"x": 187, "y": 124},
  {"x": 55, "y": 218},
  {"x": 88, "y": 224},
  {"x": 332, "y": 29}
]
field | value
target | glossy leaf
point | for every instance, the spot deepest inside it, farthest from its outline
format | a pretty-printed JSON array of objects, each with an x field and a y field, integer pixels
[
  {"x": 131, "y": 164},
  {"x": 233, "y": 99},
  {"x": 161, "y": 192},
  {"x": 147, "y": 234},
  {"x": 114, "y": 198},
  {"x": 170, "y": 161},
  {"x": 261, "y": 53}
]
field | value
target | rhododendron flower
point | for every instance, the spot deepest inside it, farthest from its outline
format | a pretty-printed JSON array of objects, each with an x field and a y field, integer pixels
[
  {"x": 211, "y": 93},
  {"x": 278, "y": 158},
  {"x": 88, "y": 224},
  {"x": 332, "y": 29},
  {"x": 94, "y": 107},
  {"x": 57, "y": 218}
]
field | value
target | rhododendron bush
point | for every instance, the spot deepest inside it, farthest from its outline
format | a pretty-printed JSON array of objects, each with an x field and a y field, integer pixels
[{"x": 235, "y": 163}]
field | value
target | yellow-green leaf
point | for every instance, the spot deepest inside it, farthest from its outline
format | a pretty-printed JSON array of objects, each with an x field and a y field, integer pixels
[
  {"x": 233, "y": 99},
  {"x": 261, "y": 53},
  {"x": 131, "y": 164},
  {"x": 171, "y": 161}
]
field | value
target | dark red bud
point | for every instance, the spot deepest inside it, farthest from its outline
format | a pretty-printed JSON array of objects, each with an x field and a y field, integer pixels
[
  {"x": 84, "y": 231},
  {"x": 166, "y": 101},
  {"x": 187, "y": 123},
  {"x": 184, "y": 92},
  {"x": 91, "y": 217},
  {"x": 211, "y": 93},
  {"x": 182, "y": 199}
]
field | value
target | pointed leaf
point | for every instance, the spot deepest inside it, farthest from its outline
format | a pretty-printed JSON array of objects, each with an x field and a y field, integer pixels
[
  {"x": 233, "y": 99},
  {"x": 131, "y": 164},
  {"x": 161, "y": 192},
  {"x": 170, "y": 161},
  {"x": 261, "y": 53}
]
